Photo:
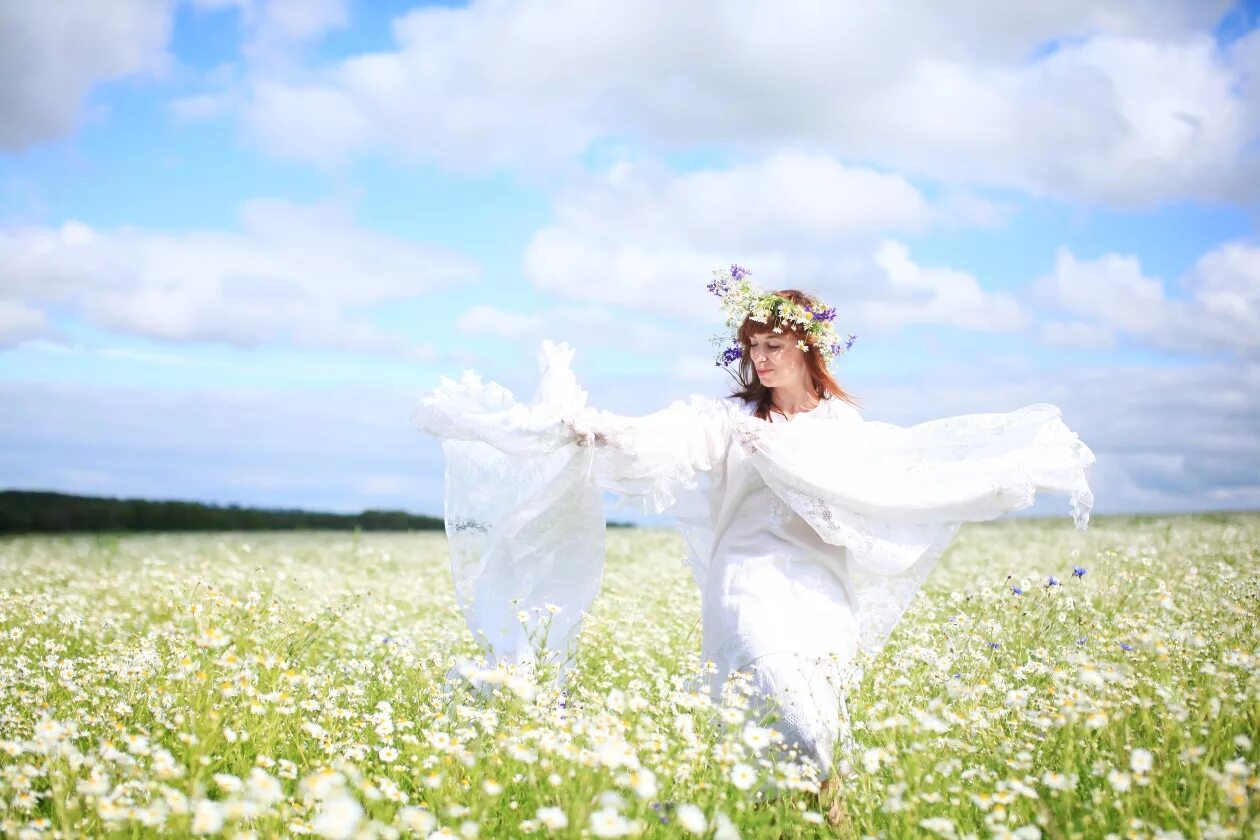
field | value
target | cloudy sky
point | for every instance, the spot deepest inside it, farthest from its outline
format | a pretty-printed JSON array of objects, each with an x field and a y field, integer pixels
[{"x": 240, "y": 238}]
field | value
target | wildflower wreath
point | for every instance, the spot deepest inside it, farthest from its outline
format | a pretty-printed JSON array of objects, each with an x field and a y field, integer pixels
[{"x": 741, "y": 299}]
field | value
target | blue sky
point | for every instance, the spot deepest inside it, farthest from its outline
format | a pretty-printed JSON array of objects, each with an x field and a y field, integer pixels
[{"x": 239, "y": 238}]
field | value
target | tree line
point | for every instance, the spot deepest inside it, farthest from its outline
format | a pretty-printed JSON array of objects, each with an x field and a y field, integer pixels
[{"x": 27, "y": 512}]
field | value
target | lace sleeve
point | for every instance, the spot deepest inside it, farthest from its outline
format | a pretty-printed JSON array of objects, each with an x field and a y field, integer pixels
[
  {"x": 894, "y": 496},
  {"x": 956, "y": 469},
  {"x": 652, "y": 458},
  {"x": 524, "y": 521}
]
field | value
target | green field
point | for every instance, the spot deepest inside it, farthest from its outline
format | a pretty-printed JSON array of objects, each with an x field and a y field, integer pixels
[{"x": 282, "y": 684}]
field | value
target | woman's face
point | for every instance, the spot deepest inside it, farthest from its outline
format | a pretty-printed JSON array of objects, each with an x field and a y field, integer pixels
[{"x": 777, "y": 360}]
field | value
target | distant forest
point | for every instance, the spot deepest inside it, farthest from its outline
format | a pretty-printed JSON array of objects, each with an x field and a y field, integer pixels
[{"x": 26, "y": 512}]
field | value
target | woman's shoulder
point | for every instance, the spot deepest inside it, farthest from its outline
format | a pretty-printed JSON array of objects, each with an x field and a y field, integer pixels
[
  {"x": 841, "y": 410},
  {"x": 707, "y": 406},
  {"x": 831, "y": 407},
  {"x": 718, "y": 403}
]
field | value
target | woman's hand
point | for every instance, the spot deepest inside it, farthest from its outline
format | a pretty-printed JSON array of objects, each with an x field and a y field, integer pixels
[{"x": 583, "y": 435}]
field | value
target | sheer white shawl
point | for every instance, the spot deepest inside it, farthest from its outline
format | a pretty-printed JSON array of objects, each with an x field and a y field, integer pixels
[{"x": 525, "y": 519}]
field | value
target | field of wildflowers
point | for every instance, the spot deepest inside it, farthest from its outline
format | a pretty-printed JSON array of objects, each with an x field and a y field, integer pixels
[{"x": 1045, "y": 683}]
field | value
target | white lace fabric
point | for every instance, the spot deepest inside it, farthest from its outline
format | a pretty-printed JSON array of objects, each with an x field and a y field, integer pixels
[
  {"x": 823, "y": 528},
  {"x": 524, "y": 521}
]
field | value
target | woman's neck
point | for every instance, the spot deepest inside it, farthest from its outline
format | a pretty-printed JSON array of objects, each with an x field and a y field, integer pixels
[{"x": 792, "y": 401}]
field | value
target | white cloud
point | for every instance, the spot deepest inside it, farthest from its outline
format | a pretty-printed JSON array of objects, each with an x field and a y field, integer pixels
[
  {"x": 640, "y": 236},
  {"x": 1226, "y": 286},
  {"x": 217, "y": 92},
  {"x": 1133, "y": 101},
  {"x": 659, "y": 280},
  {"x": 1077, "y": 334},
  {"x": 327, "y": 121},
  {"x": 146, "y": 357},
  {"x": 581, "y": 326},
  {"x": 637, "y": 237},
  {"x": 278, "y": 33},
  {"x": 294, "y": 274},
  {"x": 932, "y": 295},
  {"x": 283, "y": 20},
  {"x": 1220, "y": 310},
  {"x": 19, "y": 322},
  {"x": 298, "y": 20},
  {"x": 275, "y": 37},
  {"x": 55, "y": 53},
  {"x": 202, "y": 106},
  {"x": 783, "y": 199}
]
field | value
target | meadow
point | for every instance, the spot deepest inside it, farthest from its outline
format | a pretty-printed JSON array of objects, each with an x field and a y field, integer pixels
[{"x": 1045, "y": 683}]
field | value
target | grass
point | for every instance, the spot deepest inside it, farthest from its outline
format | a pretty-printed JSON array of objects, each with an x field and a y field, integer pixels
[{"x": 280, "y": 684}]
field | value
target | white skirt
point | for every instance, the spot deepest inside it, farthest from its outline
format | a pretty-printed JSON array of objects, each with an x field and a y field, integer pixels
[{"x": 788, "y": 623}]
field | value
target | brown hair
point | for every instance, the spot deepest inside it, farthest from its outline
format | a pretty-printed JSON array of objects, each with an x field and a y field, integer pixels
[{"x": 748, "y": 387}]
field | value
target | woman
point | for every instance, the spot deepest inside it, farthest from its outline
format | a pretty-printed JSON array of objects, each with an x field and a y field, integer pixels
[{"x": 808, "y": 529}]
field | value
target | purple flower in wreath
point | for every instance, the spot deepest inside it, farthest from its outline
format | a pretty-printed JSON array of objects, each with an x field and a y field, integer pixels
[
  {"x": 731, "y": 354},
  {"x": 741, "y": 300}
]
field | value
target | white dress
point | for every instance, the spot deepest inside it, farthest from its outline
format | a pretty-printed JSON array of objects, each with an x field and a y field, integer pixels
[{"x": 807, "y": 538}]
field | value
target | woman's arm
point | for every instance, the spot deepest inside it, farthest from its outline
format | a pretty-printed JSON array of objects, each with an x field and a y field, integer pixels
[{"x": 648, "y": 458}]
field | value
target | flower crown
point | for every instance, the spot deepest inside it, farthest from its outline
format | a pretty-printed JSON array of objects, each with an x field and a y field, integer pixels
[{"x": 741, "y": 299}]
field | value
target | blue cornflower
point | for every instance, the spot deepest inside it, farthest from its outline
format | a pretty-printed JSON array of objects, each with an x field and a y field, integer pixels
[
  {"x": 1082, "y": 640},
  {"x": 732, "y": 353},
  {"x": 994, "y": 645},
  {"x": 1017, "y": 590},
  {"x": 1053, "y": 581},
  {"x": 738, "y": 272},
  {"x": 1125, "y": 646},
  {"x": 957, "y": 675},
  {"x": 828, "y": 314},
  {"x": 1078, "y": 571},
  {"x": 849, "y": 343}
]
